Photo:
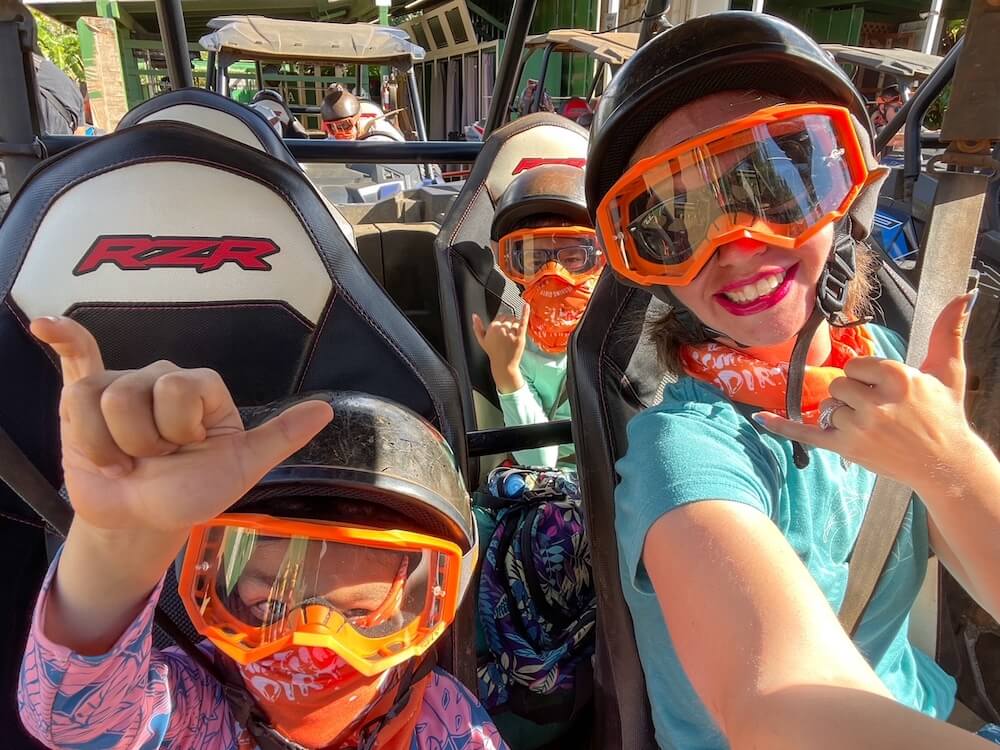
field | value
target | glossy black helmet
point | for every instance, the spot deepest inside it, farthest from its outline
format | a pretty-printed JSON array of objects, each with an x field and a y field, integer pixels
[
  {"x": 374, "y": 453},
  {"x": 339, "y": 104},
  {"x": 548, "y": 189},
  {"x": 729, "y": 51}
]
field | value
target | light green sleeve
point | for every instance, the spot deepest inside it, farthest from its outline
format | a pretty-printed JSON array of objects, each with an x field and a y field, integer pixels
[{"x": 524, "y": 406}]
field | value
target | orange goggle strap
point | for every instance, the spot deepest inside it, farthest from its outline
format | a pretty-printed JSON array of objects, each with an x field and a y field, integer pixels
[
  {"x": 622, "y": 254},
  {"x": 506, "y": 243},
  {"x": 228, "y": 633}
]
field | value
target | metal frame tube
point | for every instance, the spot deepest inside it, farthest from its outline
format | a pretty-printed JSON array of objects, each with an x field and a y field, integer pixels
[
  {"x": 503, "y": 90},
  {"x": 418, "y": 116},
  {"x": 210, "y": 68},
  {"x": 536, "y": 105},
  {"x": 170, "y": 18},
  {"x": 918, "y": 106},
  {"x": 932, "y": 33},
  {"x": 650, "y": 18},
  {"x": 343, "y": 152},
  {"x": 19, "y": 122},
  {"x": 598, "y": 76},
  {"x": 418, "y": 107}
]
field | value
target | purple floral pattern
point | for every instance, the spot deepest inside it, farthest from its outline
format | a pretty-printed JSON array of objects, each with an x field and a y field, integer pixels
[{"x": 537, "y": 605}]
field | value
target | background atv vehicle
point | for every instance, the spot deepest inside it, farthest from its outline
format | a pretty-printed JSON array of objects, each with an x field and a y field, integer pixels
[{"x": 336, "y": 54}]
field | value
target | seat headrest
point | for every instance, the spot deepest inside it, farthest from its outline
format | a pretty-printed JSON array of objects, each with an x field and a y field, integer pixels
[
  {"x": 532, "y": 140},
  {"x": 213, "y": 112},
  {"x": 470, "y": 280},
  {"x": 168, "y": 242}
]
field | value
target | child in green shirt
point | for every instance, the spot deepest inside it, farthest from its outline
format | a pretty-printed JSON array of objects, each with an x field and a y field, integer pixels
[{"x": 544, "y": 242}]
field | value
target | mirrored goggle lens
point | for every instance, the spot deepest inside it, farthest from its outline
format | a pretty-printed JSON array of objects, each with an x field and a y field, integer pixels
[
  {"x": 267, "y": 586},
  {"x": 577, "y": 254},
  {"x": 790, "y": 174}
]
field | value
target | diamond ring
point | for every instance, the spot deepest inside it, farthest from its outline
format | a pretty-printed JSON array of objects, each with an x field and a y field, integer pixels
[{"x": 826, "y": 412}]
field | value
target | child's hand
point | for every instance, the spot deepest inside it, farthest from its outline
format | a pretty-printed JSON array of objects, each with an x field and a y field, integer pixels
[
  {"x": 503, "y": 341},
  {"x": 161, "y": 448}
]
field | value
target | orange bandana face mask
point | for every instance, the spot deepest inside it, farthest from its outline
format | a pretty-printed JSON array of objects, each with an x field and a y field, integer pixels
[
  {"x": 747, "y": 380},
  {"x": 557, "y": 301},
  {"x": 558, "y": 267},
  {"x": 315, "y": 698}
]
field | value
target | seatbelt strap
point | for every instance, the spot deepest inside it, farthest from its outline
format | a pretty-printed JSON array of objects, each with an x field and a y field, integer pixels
[
  {"x": 23, "y": 477},
  {"x": 949, "y": 244}
]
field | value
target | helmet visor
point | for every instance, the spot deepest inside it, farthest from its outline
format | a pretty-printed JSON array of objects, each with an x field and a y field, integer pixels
[
  {"x": 523, "y": 254},
  {"x": 257, "y": 584},
  {"x": 778, "y": 175}
]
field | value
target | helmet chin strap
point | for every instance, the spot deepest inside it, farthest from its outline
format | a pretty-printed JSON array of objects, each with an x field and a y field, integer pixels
[{"x": 831, "y": 298}]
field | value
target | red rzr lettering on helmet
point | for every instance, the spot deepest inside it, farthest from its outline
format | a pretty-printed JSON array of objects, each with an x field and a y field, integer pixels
[
  {"x": 536, "y": 161},
  {"x": 143, "y": 252}
]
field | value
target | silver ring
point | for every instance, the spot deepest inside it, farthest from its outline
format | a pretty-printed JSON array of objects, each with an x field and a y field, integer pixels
[{"x": 826, "y": 412}]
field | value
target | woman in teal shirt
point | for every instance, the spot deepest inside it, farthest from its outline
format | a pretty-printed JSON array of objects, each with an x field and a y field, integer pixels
[{"x": 731, "y": 162}]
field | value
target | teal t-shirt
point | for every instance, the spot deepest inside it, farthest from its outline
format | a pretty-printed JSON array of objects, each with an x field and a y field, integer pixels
[
  {"x": 541, "y": 399},
  {"x": 695, "y": 446}
]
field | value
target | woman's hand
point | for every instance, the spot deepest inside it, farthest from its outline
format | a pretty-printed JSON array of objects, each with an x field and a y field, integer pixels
[
  {"x": 162, "y": 448},
  {"x": 503, "y": 340},
  {"x": 898, "y": 421}
]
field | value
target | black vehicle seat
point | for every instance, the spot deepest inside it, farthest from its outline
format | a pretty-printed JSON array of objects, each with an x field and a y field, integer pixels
[
  {"x": 613, "y": 375},
  {"x": 169, "y": 242},
  {"x": 220, "y": 115},
  {"x": 214, "y": 113},
  {"x": 291, "y": 127},
  {"x": 470, "y": 281}
]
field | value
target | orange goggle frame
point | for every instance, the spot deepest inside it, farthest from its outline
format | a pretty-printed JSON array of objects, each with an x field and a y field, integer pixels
[
  {"x": 626, "y": 259},
  {"x": 316, "y": 625},
  {"x": 518, "y": 242},
  {"x": 342, "y": 130}
]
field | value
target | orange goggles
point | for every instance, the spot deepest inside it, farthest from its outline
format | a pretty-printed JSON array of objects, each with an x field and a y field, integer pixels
[
  {"x": 342, "y": 130},
  {"x": 777, "y": 176},
  {"x": 255, "y": 585},
  {"x": 522, "y": 255}
]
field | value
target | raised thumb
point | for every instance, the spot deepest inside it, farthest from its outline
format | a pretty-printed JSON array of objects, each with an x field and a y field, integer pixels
[
  {"x": 278, "y": 438},
  {"x": 945, "y": 358}
]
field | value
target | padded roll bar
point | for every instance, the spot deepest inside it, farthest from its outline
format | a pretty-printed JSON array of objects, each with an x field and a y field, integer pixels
[
  {"x": 346, "y": 152},
  {"x": 508, "y": 439}
]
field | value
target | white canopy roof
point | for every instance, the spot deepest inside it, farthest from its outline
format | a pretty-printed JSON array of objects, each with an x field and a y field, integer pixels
[{"x": 257, "y": 37}]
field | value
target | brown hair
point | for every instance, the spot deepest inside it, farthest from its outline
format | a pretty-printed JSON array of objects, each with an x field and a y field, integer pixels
[{"x": 669, "y": 332}]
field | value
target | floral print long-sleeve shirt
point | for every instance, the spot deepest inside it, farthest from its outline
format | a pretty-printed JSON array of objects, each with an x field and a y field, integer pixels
[{"x": 137, "y": 697}]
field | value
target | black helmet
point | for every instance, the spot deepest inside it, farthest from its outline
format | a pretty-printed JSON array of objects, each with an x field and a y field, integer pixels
[
  {"x": 339, "y": 104},
  {"x": 545, "y": 189},
  {"x": 735, "y": 50},
  {"x": 375, "y": 453},
  {"x": 268, "y": 95}
]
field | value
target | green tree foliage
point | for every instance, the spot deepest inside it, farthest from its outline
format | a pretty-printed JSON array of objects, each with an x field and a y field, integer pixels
[{"x": 60, "y": 44}]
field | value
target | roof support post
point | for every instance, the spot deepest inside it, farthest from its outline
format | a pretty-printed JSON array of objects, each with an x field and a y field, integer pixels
[
  {"x": 19, "y": 125},
  {"x": 503, "y": 92},
  {"x": 170, "y": 17}
]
